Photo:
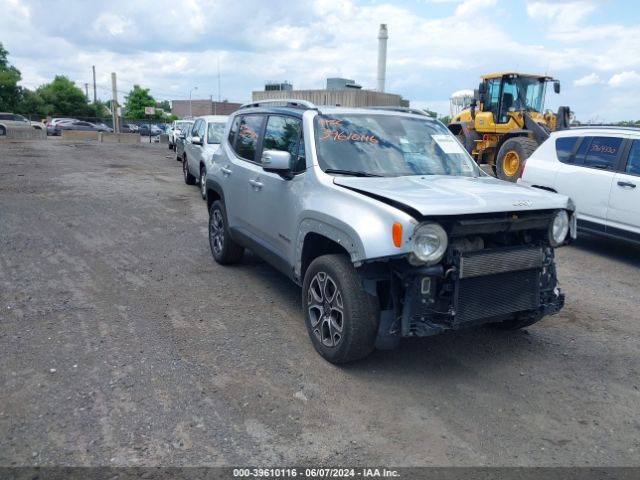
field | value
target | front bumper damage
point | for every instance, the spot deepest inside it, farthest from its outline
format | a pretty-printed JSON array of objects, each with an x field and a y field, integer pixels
[{"x": 486, "y": 286}]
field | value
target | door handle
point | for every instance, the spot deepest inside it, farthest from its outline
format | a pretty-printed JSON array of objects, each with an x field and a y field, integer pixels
[
  {"x": 225, "y": 170},
  {"x": 256, "y": 184},
  {"x": 627, "y": 184}
]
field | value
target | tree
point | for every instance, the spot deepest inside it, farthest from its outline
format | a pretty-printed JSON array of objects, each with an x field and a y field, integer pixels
[
  {"x": 136, "y": 101},
  {"x": 62, "y": 97},
  {"x": 9, "y": 78},
  {"x": 32, "y": 103},
  {"x": 164, "y": 105}
]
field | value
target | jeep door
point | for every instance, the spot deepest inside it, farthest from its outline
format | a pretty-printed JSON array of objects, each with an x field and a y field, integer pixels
[
  {"x": 273, "y": 198},
  {"x": 623, "y": 219}
]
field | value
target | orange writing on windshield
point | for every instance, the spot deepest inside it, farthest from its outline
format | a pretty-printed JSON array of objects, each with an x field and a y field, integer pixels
[{"x": 342, "y": 136}]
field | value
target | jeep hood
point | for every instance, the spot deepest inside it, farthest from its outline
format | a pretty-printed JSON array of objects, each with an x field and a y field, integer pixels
[{"x": 446, "y": 195}]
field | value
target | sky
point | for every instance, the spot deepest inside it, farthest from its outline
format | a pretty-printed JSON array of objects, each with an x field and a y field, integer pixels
[{"x": 435, "y": 47}]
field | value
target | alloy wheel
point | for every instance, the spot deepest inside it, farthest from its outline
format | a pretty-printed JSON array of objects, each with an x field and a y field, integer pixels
[{"x": 326, "y": 309}]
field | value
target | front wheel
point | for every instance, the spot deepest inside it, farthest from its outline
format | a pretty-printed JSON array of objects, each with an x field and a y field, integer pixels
[
  {"x": 188, "y": 178},
  {"x": 224, "y": 250},
  {"x": 341, "y": 318},
  {"x": 511, "y": 157}
]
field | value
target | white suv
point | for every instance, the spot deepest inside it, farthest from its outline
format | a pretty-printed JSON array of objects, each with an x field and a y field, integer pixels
[{"x": 599, "y": 168}]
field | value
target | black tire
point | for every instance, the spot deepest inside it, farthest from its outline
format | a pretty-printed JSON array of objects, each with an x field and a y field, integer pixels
[
  {"x": 202, "y": 182},
  {"x": 518, "y": 322},
  {"x": 512, "y": 156},
  {"x": 468, "y": 138},
  {"x": 188, "y": 178},
  {"x": 332, "y": 287},
  {"x": 3, "y": 131},
  {"x": 224, "y": 250},
  {"x": 170, "y": 146}
]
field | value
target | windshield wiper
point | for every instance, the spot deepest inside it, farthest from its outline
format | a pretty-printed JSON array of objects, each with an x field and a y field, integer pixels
[{"x": 354, "y": 173}]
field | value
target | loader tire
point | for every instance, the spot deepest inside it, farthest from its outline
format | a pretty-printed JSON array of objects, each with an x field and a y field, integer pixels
[{"x": 511, "y": 157}]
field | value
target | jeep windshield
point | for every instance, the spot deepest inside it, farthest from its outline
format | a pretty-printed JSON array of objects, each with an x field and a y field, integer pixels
[{"x": 389, "y": 146}]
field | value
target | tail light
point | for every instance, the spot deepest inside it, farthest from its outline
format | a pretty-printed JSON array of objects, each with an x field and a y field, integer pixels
[{"x": 524, "y": 164}]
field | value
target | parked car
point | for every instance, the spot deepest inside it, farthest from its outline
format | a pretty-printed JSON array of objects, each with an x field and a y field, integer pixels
[
  {"x": 145, "y": 130},
  {"x": 386, "y": 222},
  {"x": 13, "y": 120},
  {"x": 200, "y": 143},
  {"x": 599, "y": 168},
  {"x": 180, "y": 139},
  {"x": 104, "y": 127},
  {"x": 174, "y": 131},
  {"x": 80, "y": 126},
  {"x": 129, "y": 128},
  {"x": 51, "y": 125}
]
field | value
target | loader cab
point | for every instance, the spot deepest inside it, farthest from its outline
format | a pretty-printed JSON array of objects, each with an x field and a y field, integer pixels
[{"x": 508, "y": 93}]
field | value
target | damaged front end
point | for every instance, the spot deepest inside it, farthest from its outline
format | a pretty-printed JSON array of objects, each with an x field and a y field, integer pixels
[{"x": 497, "y": 269}]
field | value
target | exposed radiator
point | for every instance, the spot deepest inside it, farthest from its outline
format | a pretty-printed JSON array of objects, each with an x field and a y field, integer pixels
[
  {"x": 492, "y": 295},
  {"x": 476, "y": 264}
]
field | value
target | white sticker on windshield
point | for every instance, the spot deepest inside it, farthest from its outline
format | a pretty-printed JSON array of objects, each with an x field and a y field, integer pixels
[{"x": 448, "y": 144}]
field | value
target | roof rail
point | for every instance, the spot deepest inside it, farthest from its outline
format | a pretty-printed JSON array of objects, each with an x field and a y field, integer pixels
[
  {"x": 414, "y": 111},
  {"x": 604, "y": 127},
  {"x": 282, "y": 102}
]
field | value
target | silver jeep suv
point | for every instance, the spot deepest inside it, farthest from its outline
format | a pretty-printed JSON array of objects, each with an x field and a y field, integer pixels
[{"x": 385, "y": 221}]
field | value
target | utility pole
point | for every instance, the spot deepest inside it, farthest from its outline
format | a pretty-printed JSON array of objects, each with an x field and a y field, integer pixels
[
  {"x": 114, "y": 104},
  {"x": 95, "y": 95},
  {"x": 86, "y": 90}
]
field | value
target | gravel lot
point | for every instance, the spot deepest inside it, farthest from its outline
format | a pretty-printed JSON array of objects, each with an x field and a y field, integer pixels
[{"x": 123, "y": 343}]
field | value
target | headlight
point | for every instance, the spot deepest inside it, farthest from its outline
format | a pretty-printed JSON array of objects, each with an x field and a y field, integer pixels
[
  {"x": 559, "y": 228},
  {"x": 429, "y": 242}
]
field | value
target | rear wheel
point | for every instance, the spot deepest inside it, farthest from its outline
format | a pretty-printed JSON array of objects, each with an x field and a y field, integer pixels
[
  {"x": 224, "y": 250},
  {"x": 467, "y": 138},
  {"x": 341, "y": 318},
  {"x": 203, "y": 182},
  {"x": 188, "y": 178},
  {"x": 511, "y": 157},
  {"x": 3, "y": 131}
]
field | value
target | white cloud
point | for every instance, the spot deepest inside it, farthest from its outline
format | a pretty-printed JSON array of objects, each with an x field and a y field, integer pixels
[
  {"x": 625, "y": 79},
  {"x": 591, "y": 79},
  {"x": 112, "y": 25},
  {"x": 567, "y": 13},
  {"x": 473, "y": 6}
]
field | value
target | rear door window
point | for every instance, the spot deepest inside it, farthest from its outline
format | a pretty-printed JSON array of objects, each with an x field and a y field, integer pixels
[
  {"x": 564, "y": 148},
  {"x": 598, "y": 152},
  {"x": 249, "y": 130}
]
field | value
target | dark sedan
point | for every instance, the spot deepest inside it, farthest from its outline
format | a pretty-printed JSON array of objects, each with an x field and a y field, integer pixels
[{"x": 144, "y": 130}]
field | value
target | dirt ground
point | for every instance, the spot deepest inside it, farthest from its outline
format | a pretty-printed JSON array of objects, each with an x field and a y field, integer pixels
[{"x": 123, "y": 343}]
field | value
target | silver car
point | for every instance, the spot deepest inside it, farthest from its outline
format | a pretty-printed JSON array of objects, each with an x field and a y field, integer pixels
[
  {"x": 200, "y": 143},
  {"x": 385, "y": 221}
]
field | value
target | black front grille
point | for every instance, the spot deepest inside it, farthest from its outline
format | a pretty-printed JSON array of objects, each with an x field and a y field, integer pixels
[{"x": 492, "y": 295}]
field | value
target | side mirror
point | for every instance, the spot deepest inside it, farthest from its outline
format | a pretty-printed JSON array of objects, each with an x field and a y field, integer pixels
[
  {"x": 196, "y": 140},
  {"x": 181, "y": 135},
  {"x": 276, "y": 161},
  {"x": 556, "y": 86}
]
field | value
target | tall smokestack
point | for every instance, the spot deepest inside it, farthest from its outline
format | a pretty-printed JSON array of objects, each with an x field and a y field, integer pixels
[{"x": 382, "y": 55}]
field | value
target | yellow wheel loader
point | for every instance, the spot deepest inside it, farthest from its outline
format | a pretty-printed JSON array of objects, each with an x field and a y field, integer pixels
[{"x": 506, "y": 121}]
